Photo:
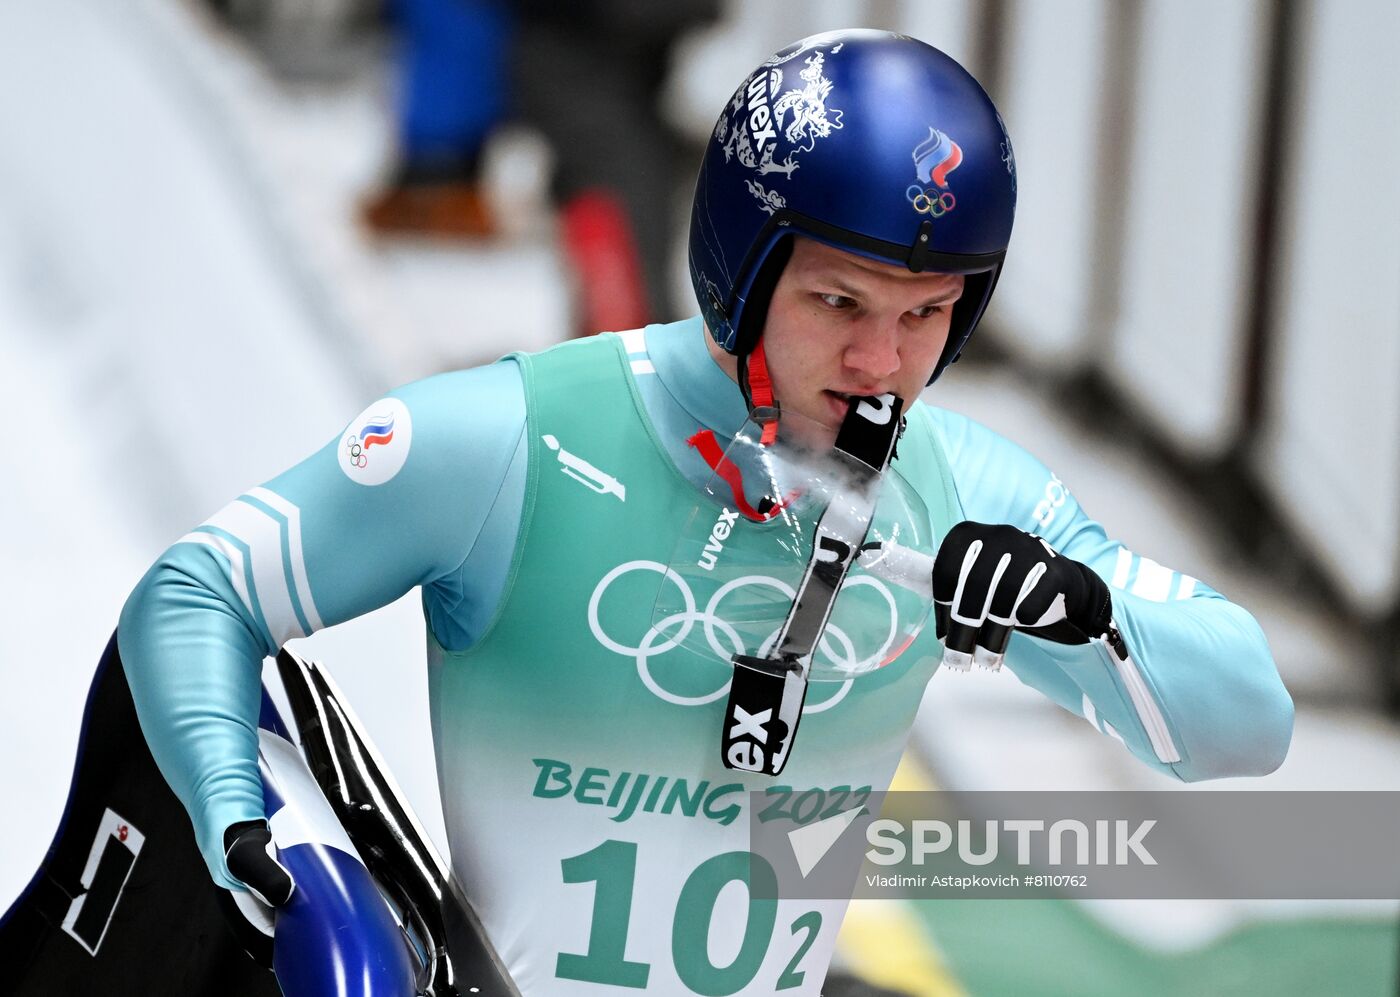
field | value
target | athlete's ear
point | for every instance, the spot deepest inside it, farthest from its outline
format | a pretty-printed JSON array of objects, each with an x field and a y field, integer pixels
[{"x": 251, "y": 858}]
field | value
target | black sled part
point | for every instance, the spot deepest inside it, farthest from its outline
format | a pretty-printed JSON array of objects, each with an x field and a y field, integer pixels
[{"x": 153, "y": 918}]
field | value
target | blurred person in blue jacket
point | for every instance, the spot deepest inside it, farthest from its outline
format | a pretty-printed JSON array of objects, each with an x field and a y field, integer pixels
[
  {"x": 453, "y": 90},
  {"x": 586, "y": 74}
]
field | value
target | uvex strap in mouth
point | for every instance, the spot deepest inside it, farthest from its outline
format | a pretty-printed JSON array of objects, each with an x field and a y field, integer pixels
[{"x": 767, "y": 693}]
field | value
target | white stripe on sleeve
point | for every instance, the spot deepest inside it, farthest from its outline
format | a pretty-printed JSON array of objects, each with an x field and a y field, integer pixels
[
  {"x": 263, "y": 536},
  {"x": 1090, "y": 714},
  {"x": 1154, "y": 581},
  {"x": 1121, "y": 568},
  {"x": 293, "y": 514}
]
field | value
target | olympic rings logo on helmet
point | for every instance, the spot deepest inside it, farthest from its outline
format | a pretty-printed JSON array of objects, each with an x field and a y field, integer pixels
[
  {"x": 929, "y": 201},
  {"x": 836, "y": 647}
]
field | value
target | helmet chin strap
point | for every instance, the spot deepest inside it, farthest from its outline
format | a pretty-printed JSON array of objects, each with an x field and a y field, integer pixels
[
  {"x": 757, "y": 386},
  {"x": 754, "y": 379}
]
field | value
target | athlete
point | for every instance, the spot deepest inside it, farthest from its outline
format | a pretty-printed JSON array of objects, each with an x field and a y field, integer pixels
[{"x": 851, "y": 217}]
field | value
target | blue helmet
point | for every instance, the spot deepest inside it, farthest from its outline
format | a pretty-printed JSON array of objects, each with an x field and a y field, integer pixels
[{"x": 869, "y": 141}]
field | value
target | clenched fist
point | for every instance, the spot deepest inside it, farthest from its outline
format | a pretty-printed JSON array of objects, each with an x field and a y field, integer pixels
[{"x": 989, "y": 580}]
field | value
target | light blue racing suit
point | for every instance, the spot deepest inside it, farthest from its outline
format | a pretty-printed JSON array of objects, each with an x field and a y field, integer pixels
[{"x": 431, "y": 488}]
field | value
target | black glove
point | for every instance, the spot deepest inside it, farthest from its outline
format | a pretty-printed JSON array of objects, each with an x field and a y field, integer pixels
[
  {"x": 989, "y": 580},
  {"x": 251, "y": 859}
]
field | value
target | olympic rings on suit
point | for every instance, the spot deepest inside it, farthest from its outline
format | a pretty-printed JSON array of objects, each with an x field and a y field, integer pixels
[{"x": 724, "y": 640}]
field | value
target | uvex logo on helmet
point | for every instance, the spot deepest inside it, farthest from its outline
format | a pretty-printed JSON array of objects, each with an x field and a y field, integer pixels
[
  {"x": 934, "y": 158},
  {"x": 762, "y": 113}
]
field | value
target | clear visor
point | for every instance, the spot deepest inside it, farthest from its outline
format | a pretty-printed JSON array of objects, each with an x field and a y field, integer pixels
[{"x": 746, "y": 547}]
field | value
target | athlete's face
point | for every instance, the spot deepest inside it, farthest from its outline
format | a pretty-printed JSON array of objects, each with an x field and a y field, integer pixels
[{"x": 842, "y": 325}]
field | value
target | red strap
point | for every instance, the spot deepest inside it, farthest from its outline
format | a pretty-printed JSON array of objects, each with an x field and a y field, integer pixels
[
  {"x": 704, "y": 441},
  {"x": 761, "y": 391}
]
